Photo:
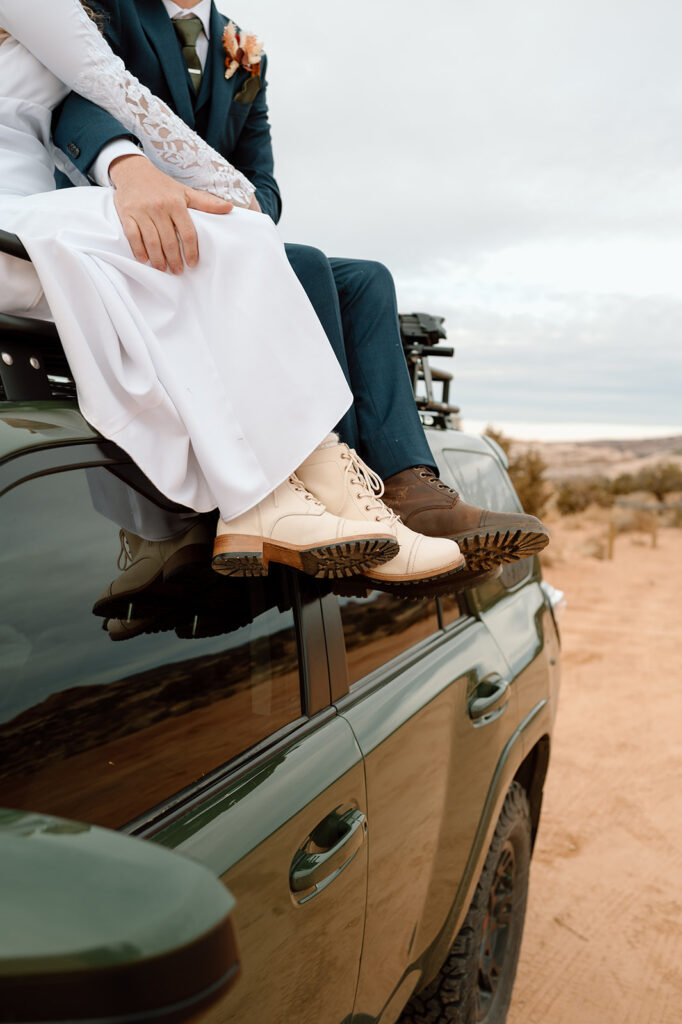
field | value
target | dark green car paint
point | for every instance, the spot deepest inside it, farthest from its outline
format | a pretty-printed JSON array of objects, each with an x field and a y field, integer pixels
[
  {"x": 24, "y": 427},
  {"x": 399, "y": 749},
  {"x": 50, "y": 865}
]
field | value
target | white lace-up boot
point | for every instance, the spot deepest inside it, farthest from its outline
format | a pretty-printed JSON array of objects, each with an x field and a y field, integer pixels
[
  {"x": 349, "y": 488},
  {"x": 292, "y": 527}
]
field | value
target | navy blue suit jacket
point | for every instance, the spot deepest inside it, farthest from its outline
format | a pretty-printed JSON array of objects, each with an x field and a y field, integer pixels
[{"x": 140, "y": 32}]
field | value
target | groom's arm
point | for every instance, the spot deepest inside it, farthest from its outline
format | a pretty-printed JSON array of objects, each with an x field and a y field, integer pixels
[
  {"x": 81, "y": 129},
  {"x": 252, "y": 153}
]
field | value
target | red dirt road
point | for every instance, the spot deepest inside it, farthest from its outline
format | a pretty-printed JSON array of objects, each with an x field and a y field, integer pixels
[{"x": 603, "y": 936}]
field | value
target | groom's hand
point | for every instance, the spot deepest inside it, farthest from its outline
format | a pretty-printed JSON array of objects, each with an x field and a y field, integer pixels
[{"x": 153, "y": 212}]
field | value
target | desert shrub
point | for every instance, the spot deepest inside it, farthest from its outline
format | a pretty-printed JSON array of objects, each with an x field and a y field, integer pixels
[
  {"x": 577, "y": 495},
  {"x": 527, "y": 472},
  {"x": 624, "y": 484},
  {"x": 504, "y": 442},
  {"x": 572, "y": 497},
  {"x": 661, "y": 479}
]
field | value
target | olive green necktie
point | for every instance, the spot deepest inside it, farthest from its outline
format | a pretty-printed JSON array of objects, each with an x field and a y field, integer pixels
[{"x": 187, "y": 30}]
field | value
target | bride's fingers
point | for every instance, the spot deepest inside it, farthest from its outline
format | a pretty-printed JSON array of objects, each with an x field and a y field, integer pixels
[
  {"x": 169, "y": 243},
  {"x": 134, "y": 236},
  {"x": 207, "y": 202},
  {"x": 152, "y": 243},
  {"x": 187, "y": 234}
]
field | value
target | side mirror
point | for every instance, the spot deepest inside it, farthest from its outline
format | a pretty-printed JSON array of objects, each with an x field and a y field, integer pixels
[{"x": 98, "y": 926}]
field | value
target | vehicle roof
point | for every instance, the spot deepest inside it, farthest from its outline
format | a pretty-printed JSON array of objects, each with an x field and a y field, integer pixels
[{"x": 26, "y": 425}]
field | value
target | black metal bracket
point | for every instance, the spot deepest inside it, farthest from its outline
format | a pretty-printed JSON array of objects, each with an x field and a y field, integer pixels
[
  {"x": 30, "y": 350},
  {"x": 13, "y": 246},
  {"x": 421, "y": 334}
]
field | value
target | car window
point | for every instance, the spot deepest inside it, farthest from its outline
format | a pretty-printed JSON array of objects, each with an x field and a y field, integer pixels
[
  {"x": 450, "y": 606},
  {"x": 481, "y": 480},
  {"x": 379, "y": 627},
  {"x": 104, "y": 730}
]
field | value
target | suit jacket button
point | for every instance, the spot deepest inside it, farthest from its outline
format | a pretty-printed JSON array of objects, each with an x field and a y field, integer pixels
[{"x": 73, "y": 150}]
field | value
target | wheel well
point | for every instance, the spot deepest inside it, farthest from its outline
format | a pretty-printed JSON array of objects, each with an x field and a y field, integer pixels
[{"x": 531, "y": 775}]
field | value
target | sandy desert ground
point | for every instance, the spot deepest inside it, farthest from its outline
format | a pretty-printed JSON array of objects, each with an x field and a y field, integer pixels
[{"x": 603, "y": 937}]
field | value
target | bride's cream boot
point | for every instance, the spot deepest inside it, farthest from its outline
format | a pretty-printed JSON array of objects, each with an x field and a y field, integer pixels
[
  {"x": 338, "y": 477},
  {"x": 292, "y": 527}
]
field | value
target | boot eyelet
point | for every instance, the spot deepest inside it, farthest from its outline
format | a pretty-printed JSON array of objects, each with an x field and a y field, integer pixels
[{"x": 368, "y": 508}]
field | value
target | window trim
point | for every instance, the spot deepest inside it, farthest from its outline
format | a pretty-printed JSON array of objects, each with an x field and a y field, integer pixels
[
  {"x": 222, "y": 778},
  {"x": 390, "y": 670}
]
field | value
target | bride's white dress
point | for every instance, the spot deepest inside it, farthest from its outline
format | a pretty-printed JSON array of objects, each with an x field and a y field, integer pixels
[{"x": 217, "y": 382}]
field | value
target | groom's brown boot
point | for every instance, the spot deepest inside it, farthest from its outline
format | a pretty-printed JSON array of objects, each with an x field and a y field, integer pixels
[{"x": 486, "y": 539}]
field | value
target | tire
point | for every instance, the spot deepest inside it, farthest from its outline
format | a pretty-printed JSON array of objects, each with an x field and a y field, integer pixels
[{"x": 474, "y": 985}]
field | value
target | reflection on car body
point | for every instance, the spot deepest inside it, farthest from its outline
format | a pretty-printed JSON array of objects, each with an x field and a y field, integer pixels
[{"x": 258, "y": 723}]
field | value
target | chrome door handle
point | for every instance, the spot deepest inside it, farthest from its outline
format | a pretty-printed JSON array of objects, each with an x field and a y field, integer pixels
[
  {"x": 490, "y": 693},
  {"x": 316, "y": 864}
]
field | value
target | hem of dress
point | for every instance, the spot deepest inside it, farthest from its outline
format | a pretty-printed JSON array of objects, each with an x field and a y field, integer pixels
[
  {"x": 300, "y": 459},
  {"x": 118, "y": 437}
]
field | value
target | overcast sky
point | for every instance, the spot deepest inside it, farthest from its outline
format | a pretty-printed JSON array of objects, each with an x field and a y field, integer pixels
[{"x": 518, "y": 166}]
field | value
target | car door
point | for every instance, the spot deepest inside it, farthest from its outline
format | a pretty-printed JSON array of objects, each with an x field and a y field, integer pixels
[
  {"x": 514, "y": 607},
  {"x": 213, "y": 735},
  {"x": 416, "y": 673}
]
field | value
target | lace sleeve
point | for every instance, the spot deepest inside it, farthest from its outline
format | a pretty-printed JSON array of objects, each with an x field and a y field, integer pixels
[{"x": 63, "y": 38}]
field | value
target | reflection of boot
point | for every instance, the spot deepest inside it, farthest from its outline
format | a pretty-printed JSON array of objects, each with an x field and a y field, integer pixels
[
  {"x": 292, "y": 527},
  {"x": 150, "y": 568},
  {"x": 126, "y": 629},
  {"x": 465, "y": 579},
  {"x": 339, "y": 478}
]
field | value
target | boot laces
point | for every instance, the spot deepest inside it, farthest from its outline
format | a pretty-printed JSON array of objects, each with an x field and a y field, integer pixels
[
  {"x": 370, "y": 487},
  {"x": 301, "y": 488},
  {"x": 431, "y": 478},
  {"x": 125, "y": 555}
]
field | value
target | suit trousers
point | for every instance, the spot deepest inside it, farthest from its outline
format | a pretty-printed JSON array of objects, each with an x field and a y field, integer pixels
[{"x": 355, "y": 302}]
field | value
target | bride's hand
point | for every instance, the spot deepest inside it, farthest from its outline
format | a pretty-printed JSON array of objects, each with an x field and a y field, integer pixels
[{"x": 153, "y": 209}]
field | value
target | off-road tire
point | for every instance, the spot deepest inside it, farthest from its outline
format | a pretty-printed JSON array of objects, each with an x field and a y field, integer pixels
[{"x": 465, "y": 990}]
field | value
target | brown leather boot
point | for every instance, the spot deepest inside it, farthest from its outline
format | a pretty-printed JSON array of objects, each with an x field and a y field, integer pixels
[{"x": 486, "y": 539}]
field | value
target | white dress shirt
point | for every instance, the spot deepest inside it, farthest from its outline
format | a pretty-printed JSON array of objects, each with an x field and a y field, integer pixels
[{"x": 99, "y": 170}]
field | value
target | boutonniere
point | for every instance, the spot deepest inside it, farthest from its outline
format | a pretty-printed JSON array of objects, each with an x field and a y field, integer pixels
[{"x": 242, "y": 50}]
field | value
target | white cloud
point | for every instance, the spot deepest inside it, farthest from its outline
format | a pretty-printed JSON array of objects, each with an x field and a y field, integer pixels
[{"x": 518, "y": 166}]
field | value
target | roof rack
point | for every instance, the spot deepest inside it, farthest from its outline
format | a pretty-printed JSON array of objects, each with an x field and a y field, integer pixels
[
  {"x": 33, "y": 366},
  {"x": 421, "y": 335}
]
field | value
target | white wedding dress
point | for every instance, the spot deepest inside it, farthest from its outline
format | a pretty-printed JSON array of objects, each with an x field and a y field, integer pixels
[{"x": 218, "y": 382}]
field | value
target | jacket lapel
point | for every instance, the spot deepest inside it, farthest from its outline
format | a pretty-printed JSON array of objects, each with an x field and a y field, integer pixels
[
  {"x": 215, "y": 90},
  {"x": 161, "y": 35}
]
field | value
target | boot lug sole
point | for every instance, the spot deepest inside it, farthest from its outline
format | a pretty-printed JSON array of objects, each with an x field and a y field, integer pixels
[
  {"x": 235, "y": 555},
  {"x": 484, "y": 551}
]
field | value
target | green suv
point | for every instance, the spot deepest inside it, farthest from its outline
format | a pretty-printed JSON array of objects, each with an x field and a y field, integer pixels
[{"x": 364, "y": 774}]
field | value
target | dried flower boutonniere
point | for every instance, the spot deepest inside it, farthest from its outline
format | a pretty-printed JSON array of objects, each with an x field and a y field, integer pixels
[{"x": 242, "y": 50}]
